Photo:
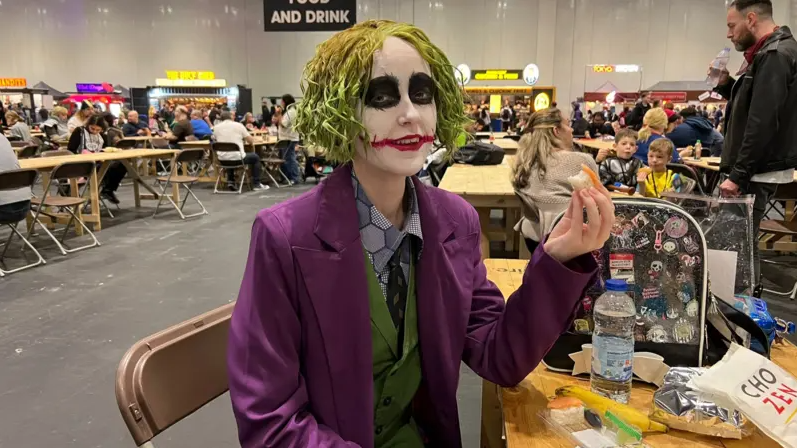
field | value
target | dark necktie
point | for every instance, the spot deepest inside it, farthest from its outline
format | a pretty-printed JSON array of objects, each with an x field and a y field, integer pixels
[{"x": 397, "y": 295}]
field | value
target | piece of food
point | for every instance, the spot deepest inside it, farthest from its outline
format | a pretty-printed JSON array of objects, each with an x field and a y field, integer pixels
[
  {"x": 585, "y": 179},
  {"x": 645, "y": 170},
  {"x": 566, "y": 410},
  {"x": 602, "y": 404}
]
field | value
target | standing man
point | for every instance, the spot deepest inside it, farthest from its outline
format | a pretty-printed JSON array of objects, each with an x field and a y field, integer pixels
[
  {"x": 634, "y": 119},
  {"x": 761, "y": 116}
]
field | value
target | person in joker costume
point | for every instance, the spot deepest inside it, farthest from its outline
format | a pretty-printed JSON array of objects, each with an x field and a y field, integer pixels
[{"x": 361, "y": 297}]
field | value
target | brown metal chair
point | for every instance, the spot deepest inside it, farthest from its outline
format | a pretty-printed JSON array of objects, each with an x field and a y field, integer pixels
[
  {"x": 12, "y": 180},
  {"x": 28, "y": 152},
  {"x": 272, "y": 161},
  {"x": 17, "y": 143},
  {"x": 126, "y": 143},
  {"x": 63, "y": 173},
  {"x": 778, "y": 229},
  {"x": 225, "y": 165},
  {"x": 184, "y": 156},
  {"x": 57, "y": 153},
  {"x": 168, "y": 376}
]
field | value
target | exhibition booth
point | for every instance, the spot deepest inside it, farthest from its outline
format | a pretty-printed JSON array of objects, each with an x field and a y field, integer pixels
[{"x": 200, "y": 88}]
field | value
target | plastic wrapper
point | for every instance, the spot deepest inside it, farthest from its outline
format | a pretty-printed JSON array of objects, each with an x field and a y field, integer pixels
[{"x": 680, "y": 407}]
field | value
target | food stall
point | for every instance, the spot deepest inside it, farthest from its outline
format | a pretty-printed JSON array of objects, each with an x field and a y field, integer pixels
[
  {"x": 685, "y": 93},
  {"x": 16, "y": 90},
  {"x": 200, "y": 88},
  {"x": 103, "y": 95}
]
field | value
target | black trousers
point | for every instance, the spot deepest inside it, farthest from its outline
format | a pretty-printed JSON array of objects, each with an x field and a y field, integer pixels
[
  {"x": 113, "y": 177},
  {"x": 14, "y": 212}
]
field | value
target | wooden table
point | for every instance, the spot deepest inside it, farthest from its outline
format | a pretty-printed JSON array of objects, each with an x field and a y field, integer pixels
[
  {"x": 487, "y": 188},
  {"x": 594, "y": 144},
  {"x": 126, "y": 157},
  {"x": 523, "y": 428},
  {"x": 509, "y": 146}
]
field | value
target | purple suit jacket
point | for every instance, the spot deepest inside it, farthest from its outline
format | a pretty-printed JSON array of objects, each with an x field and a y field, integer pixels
[{"x": 299, "y": 358}]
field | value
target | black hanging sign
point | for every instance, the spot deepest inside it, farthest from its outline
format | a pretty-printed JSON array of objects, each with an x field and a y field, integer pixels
[{"x": 309, "y": 15}]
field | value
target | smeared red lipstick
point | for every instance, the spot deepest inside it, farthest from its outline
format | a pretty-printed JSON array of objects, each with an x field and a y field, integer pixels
[{"x": 412, "y": 142}]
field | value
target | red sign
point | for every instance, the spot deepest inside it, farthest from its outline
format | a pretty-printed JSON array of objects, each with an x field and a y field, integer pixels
[{"x": 675, "y": 97}]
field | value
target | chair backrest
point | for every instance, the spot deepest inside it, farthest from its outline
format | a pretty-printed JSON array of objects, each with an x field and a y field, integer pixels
[
  {"x": 28, "y": 152},
  {"x": 786, "y": 192},
  {"x": 18, "y": 144},
  {"x": 57, "y": 153},
  {"x": 190, "y": 138},
  {"x": 688, "y": 172},
  {"x": 226, "y": 147},
  {"x": 190, "y": 155},
  {"x": 159, "y": 143},
  {"x": 72, "y": 170},
  {"x": 13, "y": 179},
  {"x": 171, "y": 374},
  {"x": 126, "y": 143}
]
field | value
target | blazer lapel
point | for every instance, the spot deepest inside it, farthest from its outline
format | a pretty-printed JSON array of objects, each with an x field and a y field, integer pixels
[{"x": 336, "y": 283}]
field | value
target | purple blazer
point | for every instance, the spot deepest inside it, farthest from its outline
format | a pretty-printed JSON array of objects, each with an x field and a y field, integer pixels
[{"x": 299, "y": 358}]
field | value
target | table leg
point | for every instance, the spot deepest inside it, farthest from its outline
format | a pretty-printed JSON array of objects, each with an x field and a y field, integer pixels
[
  {"x": 509, "y": 217},
  {"x": 492, "y": 421},
  {"x": 95, "y": 195},
  {"x": 484, "y": 222},
  {"x": 75, "y": 192}
]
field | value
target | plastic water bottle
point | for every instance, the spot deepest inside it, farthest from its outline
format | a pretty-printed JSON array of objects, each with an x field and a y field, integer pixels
[
  {"x": 698, "y": 150},
  {"x": 717, "y": 67},
  {"x": 614, "y": 314}
]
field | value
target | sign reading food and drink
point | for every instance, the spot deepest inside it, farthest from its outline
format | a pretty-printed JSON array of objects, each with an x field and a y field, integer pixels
[
  {"x": 309, "y": 15},
  {"x": 6, "y": 83},
  {"x": 103, "y": 87}
]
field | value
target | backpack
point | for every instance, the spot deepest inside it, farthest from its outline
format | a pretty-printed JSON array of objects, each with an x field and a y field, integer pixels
[
  {"x": 479, "y": 153},
  {"x": 660, "y": 250},
  {"x": 506, "y": 115}
]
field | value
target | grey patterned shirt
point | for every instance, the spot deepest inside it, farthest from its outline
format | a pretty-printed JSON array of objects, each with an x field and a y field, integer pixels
[{"x": 381, "y": 239}]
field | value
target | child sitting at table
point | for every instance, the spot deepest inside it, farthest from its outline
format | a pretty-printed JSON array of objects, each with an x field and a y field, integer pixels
[
  {"x": 656, "y": 179},
  {"x": 621, "y": 168}
]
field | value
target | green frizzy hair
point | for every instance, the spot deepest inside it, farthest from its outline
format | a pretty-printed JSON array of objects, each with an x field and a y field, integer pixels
[{"x": 336, "y": 78}]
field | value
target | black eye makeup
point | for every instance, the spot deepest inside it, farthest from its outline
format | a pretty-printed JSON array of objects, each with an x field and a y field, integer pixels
[
  {"x": 422, "y": 89},
  {"x": 383, "y": 92}
]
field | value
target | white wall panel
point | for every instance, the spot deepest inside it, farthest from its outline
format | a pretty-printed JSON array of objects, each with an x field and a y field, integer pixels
[{"x": 63, "y": 42}]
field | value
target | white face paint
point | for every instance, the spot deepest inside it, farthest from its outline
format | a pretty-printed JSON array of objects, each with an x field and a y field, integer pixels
[{"x": 398, "y": 110}]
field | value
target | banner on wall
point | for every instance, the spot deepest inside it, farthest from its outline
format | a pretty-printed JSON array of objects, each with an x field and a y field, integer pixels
[{"x": 309, "y": 15}]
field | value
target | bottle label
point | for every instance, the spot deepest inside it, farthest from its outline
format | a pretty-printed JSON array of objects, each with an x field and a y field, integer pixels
[{"x": 612, "y": 357}]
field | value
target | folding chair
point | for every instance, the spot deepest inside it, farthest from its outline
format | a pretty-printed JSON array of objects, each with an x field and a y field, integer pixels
[
  {"x": 28, "y": 152},
  {"x": 17, "y": 143},
  {"x": 170, "y": 375},
  {"x": 65, "y": 172},
  {"x": 272, "y": 162},
  {"x": 228, "y": 165},
  {"x": 184, "y": 156},
  {"x": 778, "y": 229},
  {"x": 66, "y": 152},
  {"x": 12, "y": 180},
  {"x": 57, "y": 153},
  {"x": 688, "y": 172},
  {"x": 160, "y": 143},
  {"x": 127, "y": 143}
]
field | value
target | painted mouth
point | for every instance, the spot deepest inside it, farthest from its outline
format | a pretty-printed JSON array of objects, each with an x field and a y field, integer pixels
[{"x": 407, "y": 143}]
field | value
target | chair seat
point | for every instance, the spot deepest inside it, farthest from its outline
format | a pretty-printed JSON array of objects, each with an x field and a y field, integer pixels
[
  {"x": 178, "y": 179},
  {"x": 58, "y": 201},
  {"x": 778, "y": 227},
  {"x": 274, "y": 161}
]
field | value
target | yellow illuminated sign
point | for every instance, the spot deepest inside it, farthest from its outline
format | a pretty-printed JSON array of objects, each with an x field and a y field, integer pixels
[
  {"x": 13, "y": 82},
  {"x": 495, "y": 104},
  {"x": 189, "y": 75},
  {"x": 165, "y": 82},
  {"x": 487, "y": 90},
  {"x": 542, "y": 101},
  {"x": 496, "y": 75}
]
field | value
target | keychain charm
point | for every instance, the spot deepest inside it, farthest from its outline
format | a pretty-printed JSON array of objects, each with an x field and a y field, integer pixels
[{"x": 657, "y": 246}]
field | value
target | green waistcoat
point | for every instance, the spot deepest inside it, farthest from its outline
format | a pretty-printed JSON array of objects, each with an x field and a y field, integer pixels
[{"x": 395, "y": 380}]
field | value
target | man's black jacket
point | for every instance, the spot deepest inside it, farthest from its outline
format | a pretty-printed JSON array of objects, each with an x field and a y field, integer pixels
[{"x": 761, "y": 117}]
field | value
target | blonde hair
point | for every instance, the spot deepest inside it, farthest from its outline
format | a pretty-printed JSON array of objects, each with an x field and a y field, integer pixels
[
  {"x": 536, "y": 146},
  {"x": 662, "y": 146},
  {"x": 58, "y": 110},
  {"x": 11, "y": 115},
  {"x": 655, "y": 119}
]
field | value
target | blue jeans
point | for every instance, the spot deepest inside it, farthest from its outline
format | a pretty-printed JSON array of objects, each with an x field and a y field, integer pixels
[
  {"x": 290, "y": 166},
  {"x": 253, "y": 160}
]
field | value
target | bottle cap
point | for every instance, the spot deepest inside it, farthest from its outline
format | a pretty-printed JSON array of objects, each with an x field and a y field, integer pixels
[{"x": 616, "y": 285}]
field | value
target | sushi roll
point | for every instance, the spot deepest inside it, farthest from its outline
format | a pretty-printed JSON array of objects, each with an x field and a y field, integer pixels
[
  {"x": 566, "y": 410},
  {"x": 585, "y": 179}
]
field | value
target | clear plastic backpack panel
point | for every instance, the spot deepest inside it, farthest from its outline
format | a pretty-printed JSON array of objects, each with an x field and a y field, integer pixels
[{"x": 660, "y": 254}]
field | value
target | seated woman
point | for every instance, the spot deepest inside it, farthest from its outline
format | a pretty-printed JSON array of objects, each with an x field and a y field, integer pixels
[
  {"x": 654, "y": 124},
  {"x": 249, "y": 121},
  {"x": 89, "y": 139},
  {"x": 55, "y": 127},
  {"x": 544, "y": 162},
  {"x": 17, "y": 127},
  {"x": 201, "y": 128},
  {"x": 14, "y": 204}
]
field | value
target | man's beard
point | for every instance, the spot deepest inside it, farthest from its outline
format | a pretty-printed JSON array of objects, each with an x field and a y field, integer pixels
[{"x": 745, "y": 42}]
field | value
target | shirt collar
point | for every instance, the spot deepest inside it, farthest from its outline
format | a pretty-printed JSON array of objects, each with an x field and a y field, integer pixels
[{"x": 376, "y": 229}]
